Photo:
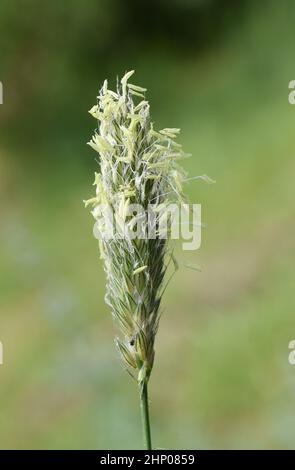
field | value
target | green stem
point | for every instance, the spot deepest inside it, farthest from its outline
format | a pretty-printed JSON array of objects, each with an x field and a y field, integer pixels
[{"x": 144, "y": 407}]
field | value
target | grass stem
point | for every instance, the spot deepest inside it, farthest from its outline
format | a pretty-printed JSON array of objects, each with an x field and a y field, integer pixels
[{"x": 144, "y": 407}]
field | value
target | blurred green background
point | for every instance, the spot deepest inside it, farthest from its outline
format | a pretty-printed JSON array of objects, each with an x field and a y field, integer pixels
[{"x": 220, "y": 71}]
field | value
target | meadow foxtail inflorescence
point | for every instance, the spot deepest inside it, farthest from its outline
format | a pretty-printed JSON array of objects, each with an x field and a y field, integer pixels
[{"x": 137, "y": 165}]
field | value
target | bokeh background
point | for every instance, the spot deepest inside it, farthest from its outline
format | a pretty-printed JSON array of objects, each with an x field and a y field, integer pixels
[{"x": 219, "y": 70}]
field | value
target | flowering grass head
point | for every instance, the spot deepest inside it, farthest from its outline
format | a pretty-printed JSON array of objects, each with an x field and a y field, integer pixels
[{"x": 136, "y": 165}]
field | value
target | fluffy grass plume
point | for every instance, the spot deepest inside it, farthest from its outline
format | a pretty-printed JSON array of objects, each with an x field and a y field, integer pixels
[{"x": 136, "y": 165}]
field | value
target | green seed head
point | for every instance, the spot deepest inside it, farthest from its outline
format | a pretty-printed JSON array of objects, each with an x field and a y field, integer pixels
[{"x": 137, "y": 165}]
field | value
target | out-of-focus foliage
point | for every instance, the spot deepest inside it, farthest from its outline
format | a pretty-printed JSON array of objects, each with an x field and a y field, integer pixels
[
  {"x": 53, "y": 56},
  {"x": 219, "y": 70}
]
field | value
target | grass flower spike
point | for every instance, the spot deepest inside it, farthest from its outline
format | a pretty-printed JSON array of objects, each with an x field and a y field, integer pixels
[{"x": 137, "y": 166}]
